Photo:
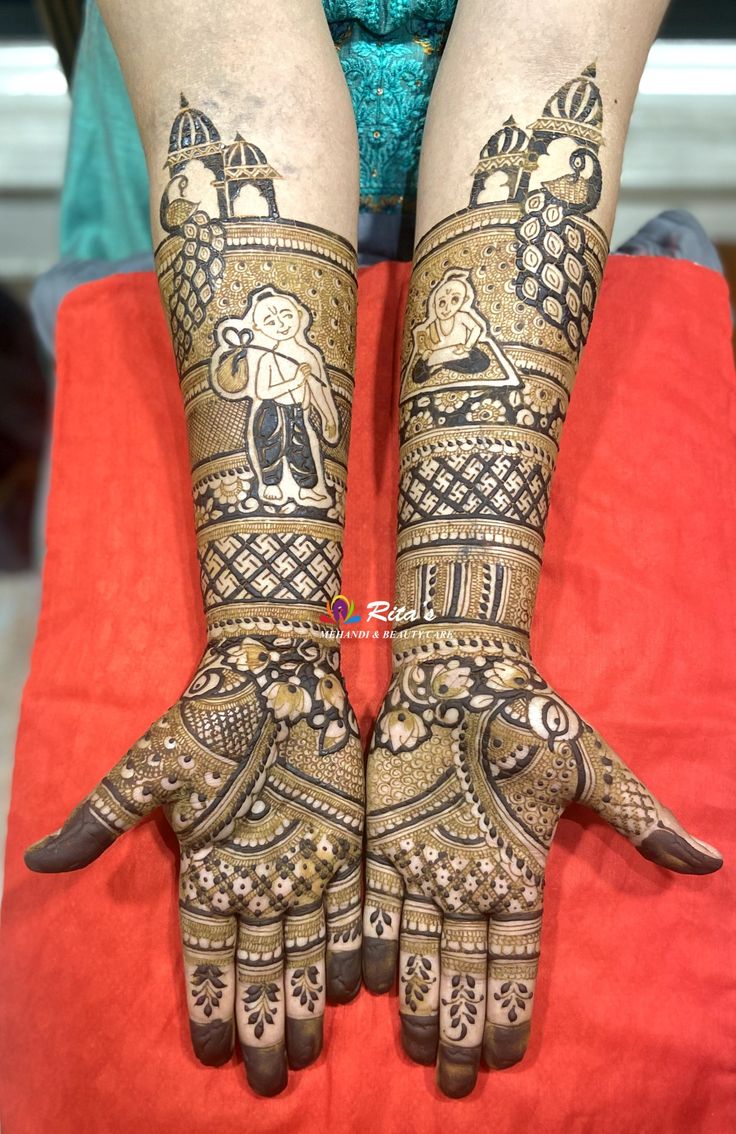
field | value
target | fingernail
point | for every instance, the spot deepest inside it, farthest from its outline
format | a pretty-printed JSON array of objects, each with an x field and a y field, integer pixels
[
  {"x": 343, "y": 976},
  {"x": 667, "y": 848},
  {"x": 212, "y": 1041},
  {"x": 503, "y": 1046},
  {"x": 266, "y": 1069},
  {"x": 707, "y": 848},
  {"x": 379, "y": 964}
]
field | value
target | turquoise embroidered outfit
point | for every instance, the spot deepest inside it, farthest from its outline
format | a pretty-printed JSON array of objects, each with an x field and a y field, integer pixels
[{"x": 389, "y": 51}]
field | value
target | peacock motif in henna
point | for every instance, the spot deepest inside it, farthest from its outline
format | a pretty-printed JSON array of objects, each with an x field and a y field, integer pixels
[
  {"x": 258, "y": 766},
  {"x": 474, "y": 757}
]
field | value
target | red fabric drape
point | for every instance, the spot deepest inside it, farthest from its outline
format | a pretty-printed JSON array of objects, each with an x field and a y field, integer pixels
[{"x": 634, "y": 1025}]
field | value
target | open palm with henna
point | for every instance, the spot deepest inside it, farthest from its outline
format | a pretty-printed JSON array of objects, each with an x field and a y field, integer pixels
[
  {"x": 260, "y": 772},
  {"x": 474, "y": 760}
]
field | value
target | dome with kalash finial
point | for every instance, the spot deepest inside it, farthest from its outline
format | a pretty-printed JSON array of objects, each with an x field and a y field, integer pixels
[
  {"x": 575, "y": 110},
  {"x": 193, "y": 135},
  {"x": 503, "y": 149},
  {"x": 509, "y": 139},
  {"x": 245, "y": 161},
  {"x": 506, "y": 152}
]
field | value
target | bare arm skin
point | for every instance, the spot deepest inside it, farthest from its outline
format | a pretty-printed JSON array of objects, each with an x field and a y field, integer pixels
[
  {"x": 252, "y": 157},
  {"x": 474, "y": 756}
]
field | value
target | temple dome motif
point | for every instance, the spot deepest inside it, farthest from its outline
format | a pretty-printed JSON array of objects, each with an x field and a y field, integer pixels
[
  {"x": 245, "y": 161},
  {"x": 578, "y": 100},
  {"x": 509, "y": 139},
  {"x": 505, "y": 149},
  {"x": 575, "y": 110},
  {"x": 193, "y": 135}
]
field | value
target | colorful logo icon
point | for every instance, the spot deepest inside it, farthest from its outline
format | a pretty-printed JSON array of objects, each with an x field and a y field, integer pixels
[{"x": 340, "y": 611}]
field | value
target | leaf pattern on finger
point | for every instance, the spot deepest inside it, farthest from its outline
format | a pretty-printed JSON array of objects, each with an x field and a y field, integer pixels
[
  {"x": 380, "y": 920},
  {"x": 463, "y": 1003},
  {"x": 351, "y": 932},
  {"x": 513, "y": 996},
  {"x": 260, "y": 1002},
  {"x": 417, "y": 980},
  {"x": 306, "y": 986},
  {"x": 207, "y": 988}
]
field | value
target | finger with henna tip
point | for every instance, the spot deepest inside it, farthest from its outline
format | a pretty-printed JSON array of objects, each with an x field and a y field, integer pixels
[
  {"x": 671, "y": 846},
  {"x": 609, "y": 787},
  {"x": 259, "y": 1009},
  {"x": 419, "y": 978},
  {"x": 344, "y": 935},
  {"x": 209, "y": 973},
  {"x": 82, "y": 839},
  {"x": 462, "y": 1004},
  {"x": 513, "y": 958},
  {"x": 139, "y": 782},
  {"x": 304, "y": 984},
  {"x": 384, "y": 890}
]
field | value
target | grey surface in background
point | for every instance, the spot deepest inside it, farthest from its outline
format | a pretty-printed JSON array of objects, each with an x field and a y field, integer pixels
[{"x": 19, "y": 601}]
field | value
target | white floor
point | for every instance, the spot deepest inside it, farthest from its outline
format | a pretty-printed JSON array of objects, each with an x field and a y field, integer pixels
[{"x": 19, "y": 599}]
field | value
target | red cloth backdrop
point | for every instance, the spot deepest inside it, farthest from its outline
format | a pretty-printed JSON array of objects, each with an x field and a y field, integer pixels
[{"x": 635, "y": 1015}]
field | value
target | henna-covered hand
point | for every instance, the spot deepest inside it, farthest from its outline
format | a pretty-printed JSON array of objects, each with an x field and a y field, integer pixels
[
  {"x": 259, "y": 770},
  {"x": 474, "y": 760},
  {"x": 474, "y": 757},
  {"x": 259, "y": 766}
]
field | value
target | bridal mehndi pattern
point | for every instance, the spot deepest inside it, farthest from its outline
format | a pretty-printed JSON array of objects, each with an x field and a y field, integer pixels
[{"x": 259, "y": 766}]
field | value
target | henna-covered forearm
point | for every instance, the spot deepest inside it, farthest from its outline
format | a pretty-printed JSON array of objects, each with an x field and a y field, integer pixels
[
  {"x": 263, "y": 322},
  {"x": 480, "y": 423}
]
